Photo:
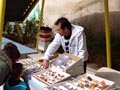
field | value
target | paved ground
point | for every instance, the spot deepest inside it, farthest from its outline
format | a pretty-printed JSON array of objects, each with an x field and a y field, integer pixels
[{"x": 92, "y": 68}]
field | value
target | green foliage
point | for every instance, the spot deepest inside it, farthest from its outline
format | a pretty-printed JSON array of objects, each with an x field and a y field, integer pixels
[
  {"x": 28, "y": 32},
  {"x": 8, "y": 30}
]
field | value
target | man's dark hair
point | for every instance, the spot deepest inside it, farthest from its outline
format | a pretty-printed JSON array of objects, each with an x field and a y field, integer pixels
[
  {"x": 64, "y": 23},
  {"x": 12, "y": 51}
]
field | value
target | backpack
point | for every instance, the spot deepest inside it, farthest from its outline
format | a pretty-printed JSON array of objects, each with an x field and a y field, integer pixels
[
  {"x": 5, "y": 67},
  {"x": 4, "y": 72}
]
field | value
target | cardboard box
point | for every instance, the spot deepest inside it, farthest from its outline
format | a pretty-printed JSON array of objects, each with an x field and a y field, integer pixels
[
  {"x": 92, "y": 82},
  {"x": 51, "y": 76},
  {"x": 67, "y": 85},
  {"x": 83, "y": 83},
  {"x": 69, "y": 63}
]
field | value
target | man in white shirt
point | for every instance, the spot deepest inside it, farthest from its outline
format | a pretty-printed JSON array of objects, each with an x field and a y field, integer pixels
[{"x": 72, "y": 39}]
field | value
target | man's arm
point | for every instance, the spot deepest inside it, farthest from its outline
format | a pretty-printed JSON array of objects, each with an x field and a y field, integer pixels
[
  {"x": 52, "y": 48},
  {"x": 82, "y": 48}
]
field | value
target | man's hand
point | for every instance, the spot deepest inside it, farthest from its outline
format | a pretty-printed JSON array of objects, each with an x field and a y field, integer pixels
[{"x": 45, "y": 64}]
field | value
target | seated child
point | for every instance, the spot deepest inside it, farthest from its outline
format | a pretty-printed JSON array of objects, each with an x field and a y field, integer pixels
[
  {"x": 8, "y": 56},
  {"x": 14, "y": 82}
]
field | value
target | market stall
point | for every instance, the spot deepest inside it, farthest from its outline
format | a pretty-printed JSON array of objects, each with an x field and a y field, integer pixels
[
  {"x": 35, "y": 68},
  {"x": 58, "y": 75}
]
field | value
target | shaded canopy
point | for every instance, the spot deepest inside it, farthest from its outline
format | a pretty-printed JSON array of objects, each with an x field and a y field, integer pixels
[{"x": 18, "y": 10}]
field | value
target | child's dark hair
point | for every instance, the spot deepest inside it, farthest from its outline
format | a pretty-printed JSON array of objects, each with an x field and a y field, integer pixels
[
  {"x": 12, "y": 51},
  {"x": 17, "y": 69}
]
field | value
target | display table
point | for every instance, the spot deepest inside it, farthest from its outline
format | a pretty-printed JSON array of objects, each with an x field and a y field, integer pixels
[
  {"x": 22, "y": 48},
  {"x": 48, "y": 79},
  {"x": 36, "y": 84},
  {"x": 84, "y": 82},
  {"x": 110, "y": 74},
  {"x": 36, "y": 56}
]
